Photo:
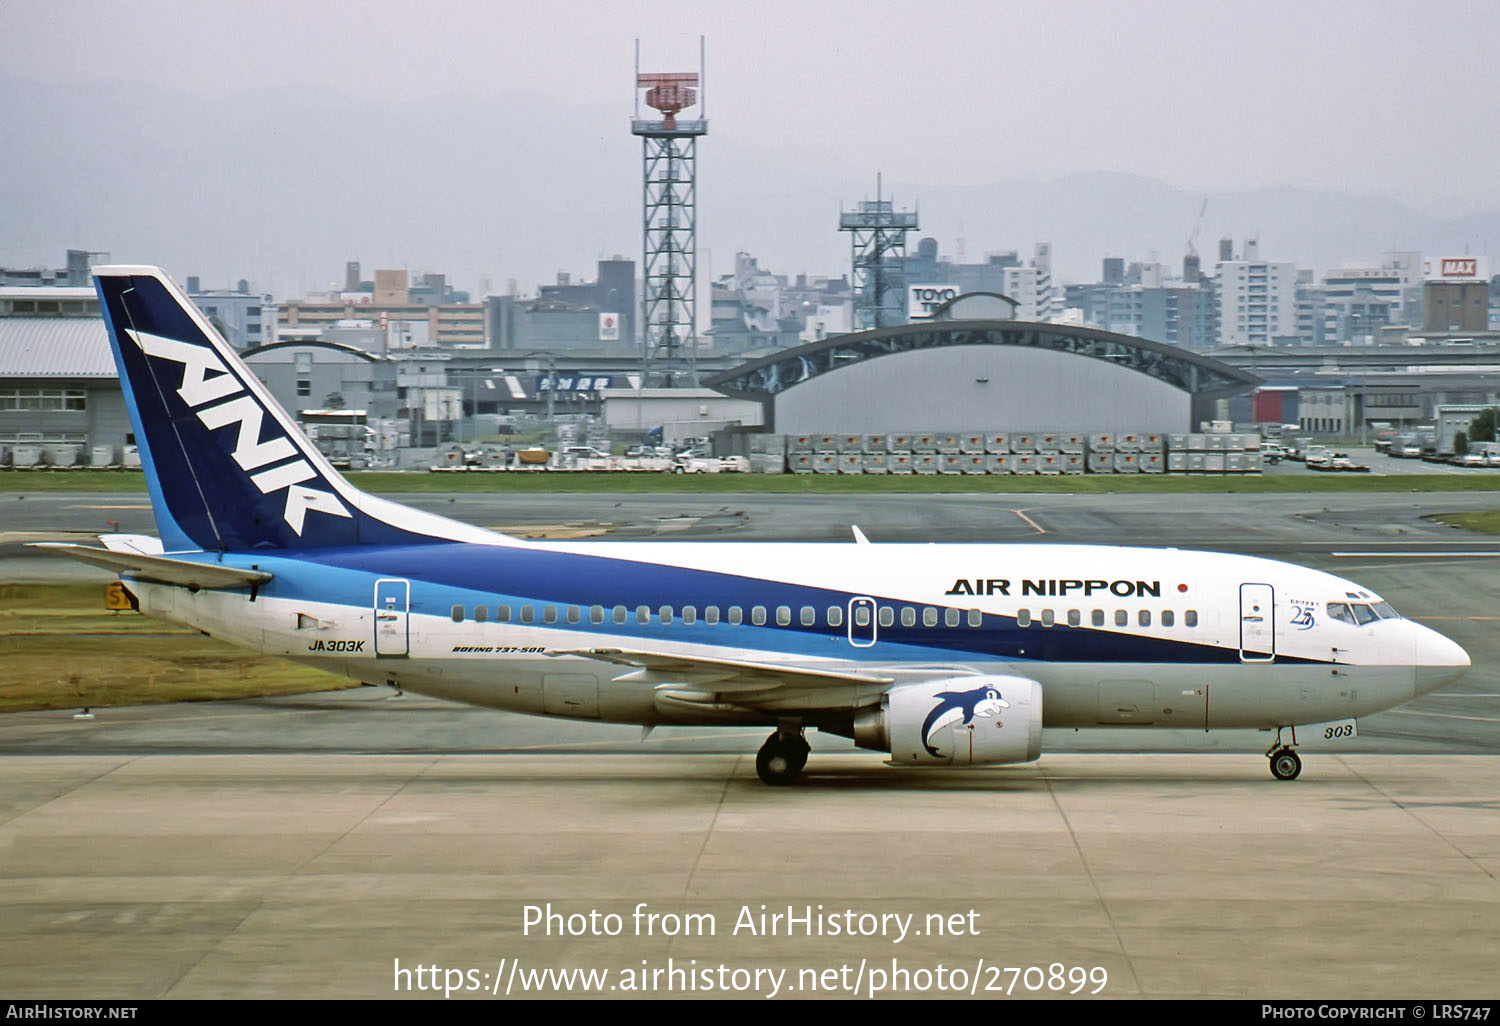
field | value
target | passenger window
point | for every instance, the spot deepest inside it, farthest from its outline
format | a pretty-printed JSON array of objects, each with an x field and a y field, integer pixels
[
  {"x": 665, "y": 614},
  {"x": 758, "y": 615},
  {"x": 502, "y": 614},
  {"x": 549, "y": 614},
  {"x": 527, "y": 614},
  {"x": 711, "y": 614},
  {"x": 596, "y": 614},
  {"x": 689, "y": 615},
  {"x": 458, "y": 614},
  {"x": 809, "y": 616},
  {"x": 835, "y": 616},
  {"x": 976, "y": 618},
  {"x": 950, "y": 617},
  {"x": 1074, "y": 618},
  {"x": 481, "y": 614},
  {"x": 783, "y": 615},
  {"x": 1190, "y": 618},
  {"x": 1168, "y": 618},
  {"x": 929, "y": 617},
  {"x": 1144, "y": 619},
  {"x": 1023, "y": 618},
  {"x": 1047, "y": 618},
  {"x": 887, "y": 616},
  {"x": 908, "y": 616},
  {"x": 621, "y": 613},
  {"x": 1097, "y": 618},
  {"x": 861, "y": 616},
  {"x": 574, "y": 614},
  {"x": 736, "y": 615},
  {"x": 1340, "y": 611},
  {"x": 1122, "y": 618},
  {"x": 642, "y": 614}
]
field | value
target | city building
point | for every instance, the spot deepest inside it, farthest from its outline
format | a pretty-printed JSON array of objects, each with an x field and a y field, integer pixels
[
  {"x": 1257, "y": 300},
  {"x": 414, "y": 323}
]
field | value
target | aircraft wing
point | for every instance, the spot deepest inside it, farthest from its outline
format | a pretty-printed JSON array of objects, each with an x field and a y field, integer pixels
[
  {"x": 725, "y": 676},
  {"x": 162, "y": 569}
]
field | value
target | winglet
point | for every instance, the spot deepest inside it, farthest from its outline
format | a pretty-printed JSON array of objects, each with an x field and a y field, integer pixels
[{"x": 859, "y": 536}]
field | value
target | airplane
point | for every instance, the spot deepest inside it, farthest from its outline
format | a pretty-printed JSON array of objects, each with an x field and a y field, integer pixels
[{"x": 938, "y": 654}]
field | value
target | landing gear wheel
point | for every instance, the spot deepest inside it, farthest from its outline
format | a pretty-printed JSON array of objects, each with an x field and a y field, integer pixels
[
  {"x": 780, "y": 760},
  {"x": 1285, "y": 765}
]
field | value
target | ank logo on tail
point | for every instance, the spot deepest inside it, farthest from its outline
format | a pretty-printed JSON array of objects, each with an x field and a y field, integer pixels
[
  {"x": 960, "y": 706},
  {"x": 205, "y": 381}
]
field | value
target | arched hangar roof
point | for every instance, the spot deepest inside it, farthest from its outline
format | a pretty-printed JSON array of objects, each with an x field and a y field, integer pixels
[
  {"x": 337, "y": 347},
  {"x": 1200, "y": 376}
]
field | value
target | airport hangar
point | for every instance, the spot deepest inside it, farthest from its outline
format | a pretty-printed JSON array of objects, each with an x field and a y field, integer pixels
[{"x": 967, "y": 375}]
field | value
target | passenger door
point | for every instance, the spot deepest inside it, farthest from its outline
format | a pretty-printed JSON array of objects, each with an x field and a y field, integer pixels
[
  {"x": 392, "y": 632},
  {"x": 1257, "y": 623}
]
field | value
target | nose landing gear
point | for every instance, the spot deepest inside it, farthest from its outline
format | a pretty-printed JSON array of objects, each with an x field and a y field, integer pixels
[{"x": 1285, "y": 763}]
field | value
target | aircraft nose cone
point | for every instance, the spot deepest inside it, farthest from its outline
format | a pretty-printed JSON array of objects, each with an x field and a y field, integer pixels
[{"x": 1439, "y": 660}]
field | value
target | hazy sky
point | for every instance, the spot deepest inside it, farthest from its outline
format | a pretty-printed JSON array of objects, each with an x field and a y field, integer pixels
[
  {"x": 807, "y": 101},
  {"x": 1370, "y": 96}
]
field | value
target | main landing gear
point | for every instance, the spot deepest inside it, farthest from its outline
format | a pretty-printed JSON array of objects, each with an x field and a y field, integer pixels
[
  {"x": 1285, "y": 764},
  {"x": 780, "y": 760}
]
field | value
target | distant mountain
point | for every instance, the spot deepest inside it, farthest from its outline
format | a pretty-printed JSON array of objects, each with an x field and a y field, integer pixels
[{"x": 282, "y": 186}]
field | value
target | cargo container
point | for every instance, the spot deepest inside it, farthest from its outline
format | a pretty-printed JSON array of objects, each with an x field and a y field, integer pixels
[{"x": 997, "y": 442}]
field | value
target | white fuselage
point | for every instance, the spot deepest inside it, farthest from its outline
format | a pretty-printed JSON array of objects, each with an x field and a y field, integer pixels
[{"x": 1115, "y": 636}]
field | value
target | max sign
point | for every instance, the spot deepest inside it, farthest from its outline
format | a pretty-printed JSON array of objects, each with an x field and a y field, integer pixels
[{"x": 924, "y": 300}]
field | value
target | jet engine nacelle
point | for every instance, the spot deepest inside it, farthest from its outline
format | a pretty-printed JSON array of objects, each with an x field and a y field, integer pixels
[{"x": 961, "y": 721}]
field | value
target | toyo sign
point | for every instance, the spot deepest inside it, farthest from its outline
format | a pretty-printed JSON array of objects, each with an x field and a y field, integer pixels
[{"x": 922, "y": 301}]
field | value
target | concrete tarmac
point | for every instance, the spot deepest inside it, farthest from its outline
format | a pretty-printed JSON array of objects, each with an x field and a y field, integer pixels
[
  {"x": 299, "y": 847},
  {"x": 1141, "y": 876}
]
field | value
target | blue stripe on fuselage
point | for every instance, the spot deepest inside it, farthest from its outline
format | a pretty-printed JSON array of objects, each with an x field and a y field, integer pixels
[{"x": 449, "y": 574}]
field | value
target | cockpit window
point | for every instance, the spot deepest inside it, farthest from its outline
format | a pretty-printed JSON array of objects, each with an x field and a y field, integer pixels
[{"x": 1359, "y": 614}]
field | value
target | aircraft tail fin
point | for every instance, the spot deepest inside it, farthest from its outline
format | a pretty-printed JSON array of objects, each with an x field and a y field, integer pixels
[{"x": 227, "y": 468}]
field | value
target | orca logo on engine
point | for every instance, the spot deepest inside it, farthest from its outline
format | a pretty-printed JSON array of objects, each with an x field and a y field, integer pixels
[
  {"x": 205, "y": 380},
  {"x": 956, "y": 706}
]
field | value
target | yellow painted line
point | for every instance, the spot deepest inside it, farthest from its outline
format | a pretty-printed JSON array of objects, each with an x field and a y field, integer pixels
[{"x": 1034, "y": 525}]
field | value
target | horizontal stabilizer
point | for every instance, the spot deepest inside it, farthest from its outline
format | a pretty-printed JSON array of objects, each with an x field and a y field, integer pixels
[{"x": 158, "y": 568}]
